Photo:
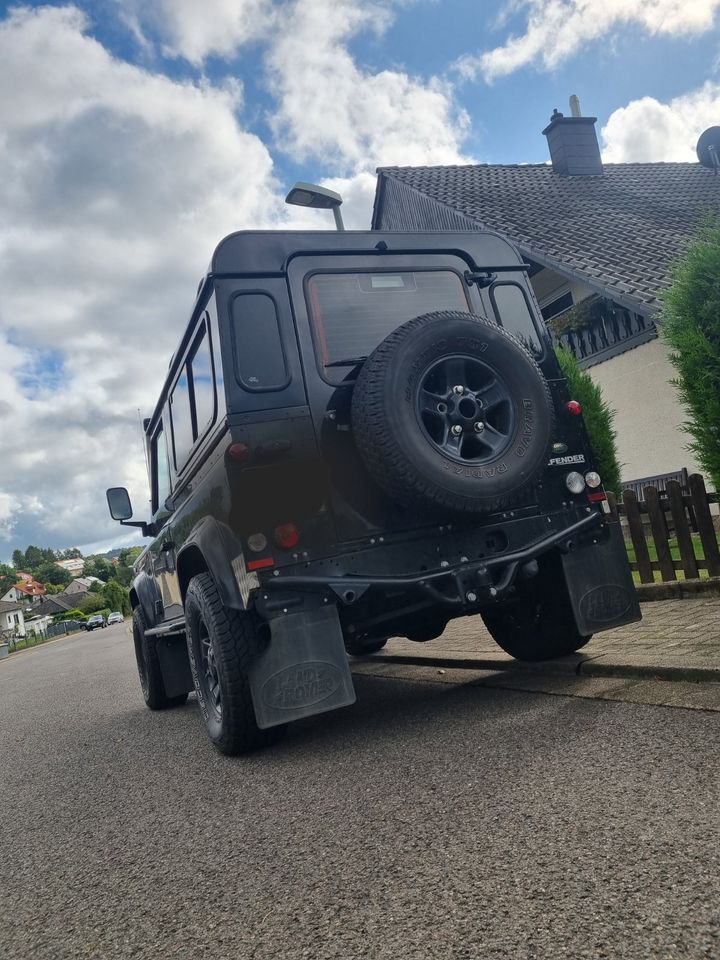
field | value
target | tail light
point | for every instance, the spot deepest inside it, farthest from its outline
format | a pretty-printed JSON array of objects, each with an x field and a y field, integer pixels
[
  {"x": 573, "y": 408},
  {"x": 286, "y": 536},
  {"x": 239, "y": 452}
]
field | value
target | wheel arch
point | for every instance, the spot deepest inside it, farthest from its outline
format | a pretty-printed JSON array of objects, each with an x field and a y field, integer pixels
[{"x": 211, "y": 548}]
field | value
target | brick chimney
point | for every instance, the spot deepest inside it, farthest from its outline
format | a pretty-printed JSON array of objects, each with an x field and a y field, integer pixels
[{"x": 573, "y": 144}]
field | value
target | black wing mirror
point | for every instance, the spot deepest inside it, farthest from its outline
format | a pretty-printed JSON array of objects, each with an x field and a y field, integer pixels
[
  {"x": 119, "y": 503},
  {"x": 121, "y": 509}
]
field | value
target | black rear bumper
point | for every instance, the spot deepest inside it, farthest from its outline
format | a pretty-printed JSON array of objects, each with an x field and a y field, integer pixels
[{"x": 466, "y": 584}]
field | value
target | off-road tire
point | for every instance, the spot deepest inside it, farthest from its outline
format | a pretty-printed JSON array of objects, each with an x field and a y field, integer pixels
[
  {"x": 149, "y": 672},
  {"x": 358, "y": 648},
  {"x": 235, "y": 641},
  {"x": 390, "y": 437},
  {"x": 539, "y": 623}
]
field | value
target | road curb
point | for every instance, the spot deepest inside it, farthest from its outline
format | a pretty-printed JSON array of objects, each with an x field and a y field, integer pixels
[
  {"x": 677, "y": 590},
  {"x": 566, "y": 666}
]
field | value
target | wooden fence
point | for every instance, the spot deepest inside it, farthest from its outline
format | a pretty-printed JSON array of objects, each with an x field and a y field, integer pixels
[{"x": 657, "y": 516}]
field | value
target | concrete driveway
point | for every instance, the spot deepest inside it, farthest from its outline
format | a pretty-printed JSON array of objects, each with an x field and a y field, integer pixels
[{"x": 426, "y": 821}]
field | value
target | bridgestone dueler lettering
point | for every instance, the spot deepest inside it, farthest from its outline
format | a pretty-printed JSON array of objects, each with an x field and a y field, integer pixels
[{"x": 392, "y": 438}]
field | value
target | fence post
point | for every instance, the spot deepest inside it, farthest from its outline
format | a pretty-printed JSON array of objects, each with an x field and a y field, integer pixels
[
  {"x": 705, "y": 524},
  {"x": 660, "y": 533},
  {"x": 682, "y": 529},
  {"x": 637, "y": 535},
  {"x": 612, "y": 504}
]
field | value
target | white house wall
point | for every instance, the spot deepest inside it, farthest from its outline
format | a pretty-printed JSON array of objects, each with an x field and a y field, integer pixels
[{"x": 648, "y": 415}]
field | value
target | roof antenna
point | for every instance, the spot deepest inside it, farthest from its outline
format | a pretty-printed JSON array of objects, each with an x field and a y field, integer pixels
[{"x": 575, "y": 106}]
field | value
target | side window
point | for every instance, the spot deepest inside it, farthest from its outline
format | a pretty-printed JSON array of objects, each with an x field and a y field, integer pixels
[
  {"x": 259, "y": 356},
  {"x": 192, "y": 403},
  {"x": 181, "y": 419},
  {"x": 512, "y": 311},
  {"x": 203, "y": 387},
  {"x": 160, "y": 470}
]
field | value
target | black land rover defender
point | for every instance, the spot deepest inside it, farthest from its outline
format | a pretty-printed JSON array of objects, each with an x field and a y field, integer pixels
[{"x": 361, "y": 435}]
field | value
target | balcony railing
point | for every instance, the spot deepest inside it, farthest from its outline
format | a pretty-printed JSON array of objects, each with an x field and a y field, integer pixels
[{"x": 597, "y": 329}]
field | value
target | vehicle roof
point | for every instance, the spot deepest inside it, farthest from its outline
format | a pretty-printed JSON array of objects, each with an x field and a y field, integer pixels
[{"x": 268, "y": 251}]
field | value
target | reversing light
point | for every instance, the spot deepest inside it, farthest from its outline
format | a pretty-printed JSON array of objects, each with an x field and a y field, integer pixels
[
  {"x": 573, "y": 408},
  {"x": 592, "y": 479},
  {"x": 286, "y": 536},
  {"x": 575, "y": 482},
  {"x": 257, "y": 542},
  {"x": 239, "y": 452}
]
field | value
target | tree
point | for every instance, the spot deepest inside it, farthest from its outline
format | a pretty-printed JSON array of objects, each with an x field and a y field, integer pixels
[
  {"x": 72, "y": 554},
  {"x": 115, "y": 597},
  {"x": 99, "y": 567},
  {"x": 8, "y": 578},
  {"x": 598, "y": 419},
  {"x": 52, "y": 573},
  {"x": 18, "y": 559},
  {"x": 691, "y": 327}
]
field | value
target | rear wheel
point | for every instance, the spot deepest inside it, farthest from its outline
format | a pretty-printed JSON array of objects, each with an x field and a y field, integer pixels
[
  {"x": 149, "y": 672},
  {"x": 222, "y": 644},
  {"x": 538, "y": 624},
  {"x": 364, "y": 648}
]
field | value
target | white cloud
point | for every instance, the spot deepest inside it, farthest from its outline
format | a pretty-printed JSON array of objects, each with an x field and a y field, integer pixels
[
  {"x": 118, "y": 182},
  {"x": 116, "y": 186},
  {"x": 557, "y": 29},
  {"x": 332, "y": 110},
  {"x": 196, "y": 31},
  {"x": 647, "y": 130}
]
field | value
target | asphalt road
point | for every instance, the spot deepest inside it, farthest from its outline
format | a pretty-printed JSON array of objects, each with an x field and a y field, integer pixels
[{"x": 427, "y": 821}]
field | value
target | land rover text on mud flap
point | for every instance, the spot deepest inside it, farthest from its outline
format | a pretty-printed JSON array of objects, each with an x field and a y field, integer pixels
[{"x": 361, "y": 435}]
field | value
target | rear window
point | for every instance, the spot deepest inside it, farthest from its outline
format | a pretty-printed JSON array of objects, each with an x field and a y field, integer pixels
[{"x": 351, "y": 313}]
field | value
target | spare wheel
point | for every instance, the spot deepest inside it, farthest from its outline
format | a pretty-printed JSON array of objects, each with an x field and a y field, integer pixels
[{"x": 451, "y": 411}]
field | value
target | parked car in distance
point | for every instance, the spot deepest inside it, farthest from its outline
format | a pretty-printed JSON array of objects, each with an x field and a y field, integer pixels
[
  {"x": 115, "y": 617},
  {"x": 96, "y": 621}
]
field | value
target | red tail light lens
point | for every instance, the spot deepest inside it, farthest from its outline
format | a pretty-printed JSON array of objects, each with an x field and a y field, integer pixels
[
  {"x": 286, "y": 536},
  {"x": 573, "y": 408},
  {"x": 239, "y": 452}
]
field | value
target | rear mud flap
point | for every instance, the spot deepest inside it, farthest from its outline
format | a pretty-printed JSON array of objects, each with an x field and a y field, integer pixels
[
  {"x": 303, "y": 671},
  {"x": 600, "y": 584}
]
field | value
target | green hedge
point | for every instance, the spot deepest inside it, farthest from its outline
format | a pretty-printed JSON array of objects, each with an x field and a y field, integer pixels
[{"x": 598, "y": 419}]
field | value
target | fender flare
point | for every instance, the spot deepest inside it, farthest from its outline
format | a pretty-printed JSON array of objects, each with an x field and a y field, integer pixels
[
  {"x": 145, "y": 593},
  {"x": 212, "y": 547}
]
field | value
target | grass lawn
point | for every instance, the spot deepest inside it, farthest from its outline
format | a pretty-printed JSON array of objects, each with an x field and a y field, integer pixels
[{"x": 674, "y": 553}]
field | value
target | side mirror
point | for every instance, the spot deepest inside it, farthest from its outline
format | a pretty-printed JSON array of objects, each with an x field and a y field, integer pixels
[{"x": 119, "y": 503}]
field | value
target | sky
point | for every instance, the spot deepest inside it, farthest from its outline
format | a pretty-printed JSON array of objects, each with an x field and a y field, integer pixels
[{"x": 135, "y": 134}]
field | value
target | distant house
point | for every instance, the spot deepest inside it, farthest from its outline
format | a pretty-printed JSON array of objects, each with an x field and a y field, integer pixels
[
  {"x": 26, "y": 590},
  {"x": 80, "y": 586},
  {"x": 56, "y": 603},
  {"x": 599, "y": 240},
  {"x": 12, "y": 621},
  {"x": 73, "y": 566}
]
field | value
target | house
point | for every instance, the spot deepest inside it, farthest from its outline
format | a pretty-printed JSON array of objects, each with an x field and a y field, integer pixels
[
  {"x": 599, "y": 240},
  {"x": 26, "y": 590},
  {"x": 73, "y": 566},
  {"x": 12, "y": 622},
  {"x": 80, "y": 586},
  {"x": 55, "y": 604}
]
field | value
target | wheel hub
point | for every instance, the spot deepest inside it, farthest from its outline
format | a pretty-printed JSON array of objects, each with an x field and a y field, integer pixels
[{"x": 465, "y": 409}]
